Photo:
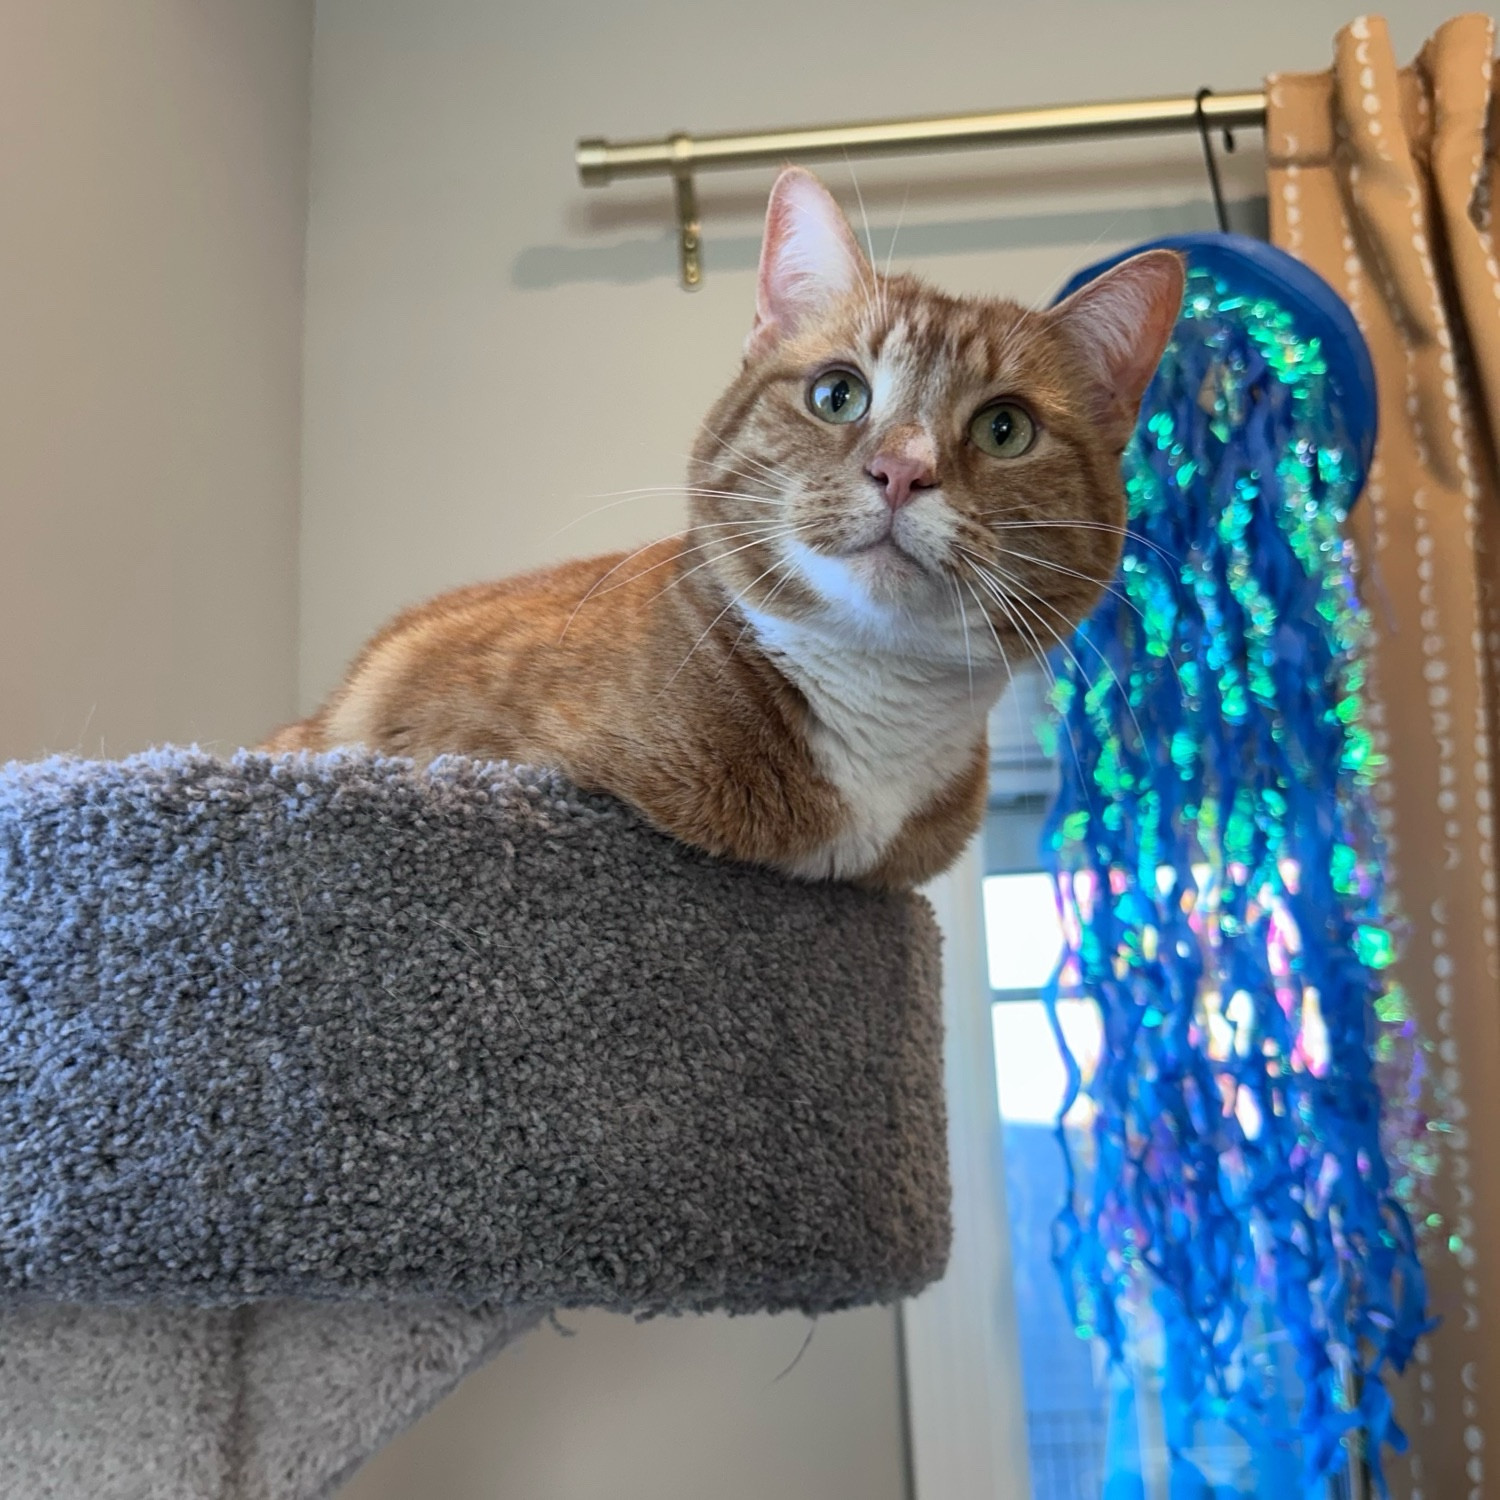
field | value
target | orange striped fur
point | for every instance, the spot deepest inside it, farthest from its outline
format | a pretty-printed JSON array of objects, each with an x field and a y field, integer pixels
[{"x": 801, "y": 679}]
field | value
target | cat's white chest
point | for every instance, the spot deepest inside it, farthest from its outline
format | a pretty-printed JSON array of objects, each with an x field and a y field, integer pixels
[
  {"x": 889, "y": 735},
  {"x": 884, "y": 773}
]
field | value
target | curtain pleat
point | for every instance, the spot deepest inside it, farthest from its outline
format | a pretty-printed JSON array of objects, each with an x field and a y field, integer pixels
[{"x": 1382, "y": 180}]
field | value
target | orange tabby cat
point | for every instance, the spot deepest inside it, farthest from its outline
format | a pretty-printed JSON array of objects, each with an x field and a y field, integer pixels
[{"x": 898, "y": 489}]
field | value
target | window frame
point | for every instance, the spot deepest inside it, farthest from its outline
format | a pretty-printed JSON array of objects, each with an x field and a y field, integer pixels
[{"x": 960, "y": 1339}]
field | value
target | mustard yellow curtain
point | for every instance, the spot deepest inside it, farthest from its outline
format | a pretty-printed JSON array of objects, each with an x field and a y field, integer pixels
[{"x": 1382, "y": 179}]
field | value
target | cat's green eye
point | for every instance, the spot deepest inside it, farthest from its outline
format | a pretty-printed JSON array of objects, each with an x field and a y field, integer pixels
[
  {"x": 1003, "y": 430},
  {"x": 839, "y": 396}
]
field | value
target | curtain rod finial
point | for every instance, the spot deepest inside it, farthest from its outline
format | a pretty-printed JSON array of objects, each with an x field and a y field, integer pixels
[{"x": 592, "y": 157}]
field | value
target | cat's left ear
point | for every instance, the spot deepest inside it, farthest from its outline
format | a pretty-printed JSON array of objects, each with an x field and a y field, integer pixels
[
  {"x": 1120, "y": 322},
  {"x": 808, "y": 260}
]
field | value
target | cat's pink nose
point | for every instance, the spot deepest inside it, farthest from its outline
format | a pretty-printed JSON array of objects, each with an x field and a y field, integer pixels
[{"x": 903, "y": 472}]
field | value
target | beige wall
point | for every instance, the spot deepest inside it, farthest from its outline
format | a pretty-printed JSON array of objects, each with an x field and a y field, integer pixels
[
  {"x": 153, "y": 171},
  {"x": 491, "y": 349}
]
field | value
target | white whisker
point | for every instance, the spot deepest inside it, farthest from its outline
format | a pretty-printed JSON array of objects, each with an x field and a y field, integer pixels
[
  {"x": 1117, "y": 594},
  {"x": 1022, "y": 335},
  {"x": 648, "y": 492},
  {"x": 963, "y": 616},
  {"x": 874, "y": 296},
  {"x": 1122, "y": 531},
  {"x": 1029, "y": 635},
  {"x": 770, "y": 528},
  {"x": 719, "y": 467},
  {"x": 758, "y": 541},
  {"x": 689, "y": 489},
  {"x": 984, "y": 615},
  {"x": 1004, "y": 655},
  {"x": 1102, "y": 583},
  {"x": 779, "y": 563},
  {"x": 1012, "y": 584},
  {"x": 781, "y": 583},
  {"x": 900, "y": 220},
  {"x": 1050, "y": 296},
  {"x": 750, "y": 459}
]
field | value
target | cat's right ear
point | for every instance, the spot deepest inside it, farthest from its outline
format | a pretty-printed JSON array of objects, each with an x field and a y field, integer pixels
[{"x": 808, "y": 260}]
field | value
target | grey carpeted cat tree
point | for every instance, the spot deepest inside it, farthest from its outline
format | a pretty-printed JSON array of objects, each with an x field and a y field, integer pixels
[{"x": 323, "y": 1077}]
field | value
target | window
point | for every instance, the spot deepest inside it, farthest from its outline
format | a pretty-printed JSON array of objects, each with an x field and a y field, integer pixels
[{"x": 1063, "y": 1386}]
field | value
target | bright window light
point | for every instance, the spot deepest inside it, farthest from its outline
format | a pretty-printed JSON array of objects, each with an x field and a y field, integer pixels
[
  {"x": 1022, "y": 931},
  {"x": 1029, "y": 1072}
]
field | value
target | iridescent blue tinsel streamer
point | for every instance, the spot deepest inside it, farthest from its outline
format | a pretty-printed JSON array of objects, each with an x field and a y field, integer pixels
[{"x": 1219, "y": 876}]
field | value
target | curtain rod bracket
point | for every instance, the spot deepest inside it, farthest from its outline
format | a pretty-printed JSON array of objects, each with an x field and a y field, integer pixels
[{"x": 689, "y": 222}]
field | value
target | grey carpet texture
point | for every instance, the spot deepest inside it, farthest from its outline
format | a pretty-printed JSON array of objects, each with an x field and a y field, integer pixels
[{"x": 322, "y": 1076}]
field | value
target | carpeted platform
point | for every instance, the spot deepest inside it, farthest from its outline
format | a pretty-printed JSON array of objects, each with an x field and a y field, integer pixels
[{"x": 321, "y": 1075}]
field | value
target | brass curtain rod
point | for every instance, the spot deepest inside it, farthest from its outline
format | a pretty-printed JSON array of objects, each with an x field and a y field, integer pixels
[{"x": 600, "y": 162}]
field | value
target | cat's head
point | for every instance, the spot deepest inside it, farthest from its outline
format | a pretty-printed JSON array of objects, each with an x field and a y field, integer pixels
[{"x": 919, "y": 471}]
